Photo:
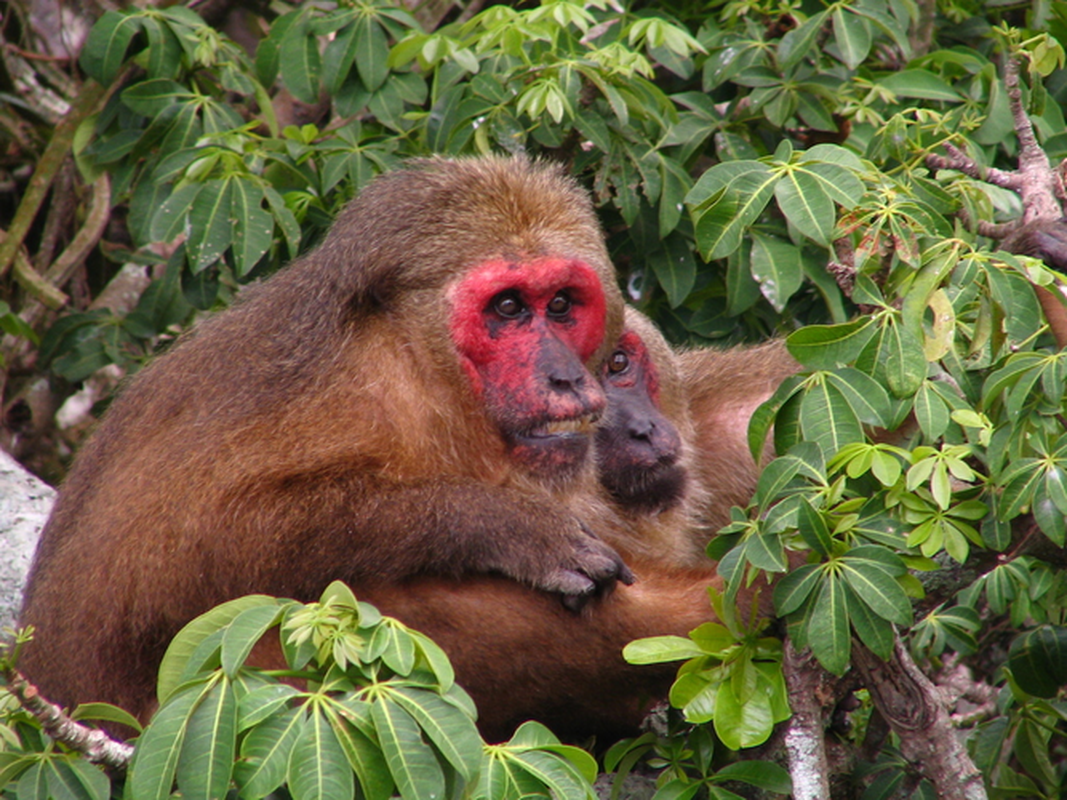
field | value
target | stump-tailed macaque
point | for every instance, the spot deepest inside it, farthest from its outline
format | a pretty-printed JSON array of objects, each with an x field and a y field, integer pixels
[
  {"x": 409, "y": 399},
  {"x": 672, "y": 449}
]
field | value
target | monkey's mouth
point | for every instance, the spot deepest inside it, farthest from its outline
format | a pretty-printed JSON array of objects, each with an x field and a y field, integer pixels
[{"x": 576, "y": 426}]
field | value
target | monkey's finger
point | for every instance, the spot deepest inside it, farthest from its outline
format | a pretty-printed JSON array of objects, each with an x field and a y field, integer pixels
[
  {"x": 575, "y": 602},
  {"x": 569, "y": 582}
]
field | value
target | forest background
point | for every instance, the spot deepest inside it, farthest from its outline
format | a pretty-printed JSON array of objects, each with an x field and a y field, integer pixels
[{"x": 841, "y": 174}]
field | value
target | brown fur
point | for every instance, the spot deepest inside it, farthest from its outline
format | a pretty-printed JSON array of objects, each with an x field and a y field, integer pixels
[
  {"x": 320, "y": 429},
  {"x": 724, "y": 388}
]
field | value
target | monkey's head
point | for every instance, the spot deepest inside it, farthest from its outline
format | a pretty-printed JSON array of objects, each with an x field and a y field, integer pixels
[
  {"x": 529, "y": 292},
  {"x": 524, "y": 330},
  {"x": 639, "y": 449}
]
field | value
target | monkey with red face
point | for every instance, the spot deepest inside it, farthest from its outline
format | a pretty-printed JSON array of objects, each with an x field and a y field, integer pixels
[{"x": 409, "y": 399}]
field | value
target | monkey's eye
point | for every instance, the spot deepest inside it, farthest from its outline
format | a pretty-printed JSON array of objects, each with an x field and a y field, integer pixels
[
  {"x": 560, "y": 305},
  {"x": 507, "y": 305},
  {"x": 618, "y": 362}
]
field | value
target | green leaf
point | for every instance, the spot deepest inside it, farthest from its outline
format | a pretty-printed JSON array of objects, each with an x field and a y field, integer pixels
[
  {"x": 169, "y": 221},
  {"x": 877, "y": 589},
  {"x": 865, "y": 396},
  {"x": 364, "y": 755},
  {"x": 262, "y": 702},
  {"x": 189, "y": 638},
  {"x": 393, "y": 645},
  {"x": 285, "y": 220},
  {"x": 765, "y": 552},
  {"x": 774, "y": 478},
  {"x": 265, "y": 753},
  {"x": 777, "y": 266},
  {"x": 828, "y": 346},
  {"x": 1019, "y": 481},
  {"x": 660, "y": 649},
  {"x": 765, "y": 775},
  {"x": 1056, "y": 485},
  {"x": 726, "y": 200},
  {"x": 372, "y": 53},
  {"x": 152, "y": 773},
  {"x": 1048, "y": 517},
  {"x": 806, "y": 205},
  {"x": 795, "y": 587},
  {"x": 452, "y": 731},
  {"x": 828, "y": 631},
  {"x": 242, "y": 634},
  {"x": 931, "y": 412},
  {"x": 852, "y": 35},
  {"x": 556, "y": 773},
  {"x": 299, "y": 60},
  {"x": 412, "y": 763},
  {"x": 675, "y": 268},
  {"x": 76, "y": 779},
  {"x": 163, "y": 51},
  {"x": 905, "y": 366},
  {"x": 253, "y": 225},
  {"x": 105, "y": 712},
  {"x": 800, "y": 41},
  {"x": 813, "y": 528},
  {"x": 875, "y": 632},
  {"x": 1038, "y": 660},
  {"x": 919, "y": 83},
  {"x": 676, "y": 184},
  {"x": 150, "y": 98},
  {"x": 838, "y": 181},
  {"x": 211, "y": 225},
  {"x": 207, "y": 753},
  {"x": 338, "y": 58},
  {"x": 827, "y": 419},
  {"x": 105, "y": 48},
  {"x": 318, "y": 769},
  {"x": 742, "y": 724}
]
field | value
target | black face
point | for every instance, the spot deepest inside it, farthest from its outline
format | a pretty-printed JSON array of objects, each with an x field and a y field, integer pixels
[{"x": 638, "y": 448}]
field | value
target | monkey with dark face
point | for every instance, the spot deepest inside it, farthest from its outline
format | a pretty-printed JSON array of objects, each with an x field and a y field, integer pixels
[
  {"x": 409, "y": 399},
  {"x": 672, "y": 449}
]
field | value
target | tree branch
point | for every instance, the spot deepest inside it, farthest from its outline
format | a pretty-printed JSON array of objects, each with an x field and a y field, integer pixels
[
  {"x": 913, "y": 708},
  {"x": 94, "y": 744},
  {"x": 804, "y": 736}
]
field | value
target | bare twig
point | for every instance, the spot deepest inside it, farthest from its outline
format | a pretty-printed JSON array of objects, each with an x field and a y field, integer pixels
[
  {"x": 94, "y": 744},
  {"x": 32, "y": 281},
  {"x": 51, "y": 160},
  {"x": 960, "y": 161}
]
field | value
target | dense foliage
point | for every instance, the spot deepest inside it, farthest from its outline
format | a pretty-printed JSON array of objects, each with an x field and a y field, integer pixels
[{"x": 761, "y": 168}]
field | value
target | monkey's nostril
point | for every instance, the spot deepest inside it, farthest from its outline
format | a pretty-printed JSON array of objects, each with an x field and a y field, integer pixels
[
  {"x": 642, "y": 429},
  {"x": 563, "y": 381}
]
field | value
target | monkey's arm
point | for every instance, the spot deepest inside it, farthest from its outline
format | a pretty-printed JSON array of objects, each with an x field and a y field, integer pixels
[{"x": 366, "y": 531}]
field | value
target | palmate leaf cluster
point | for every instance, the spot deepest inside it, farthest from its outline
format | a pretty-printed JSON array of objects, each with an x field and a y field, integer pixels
[
  {"x": 368, "y": 708},
  {"x": 760, "y": 168}
]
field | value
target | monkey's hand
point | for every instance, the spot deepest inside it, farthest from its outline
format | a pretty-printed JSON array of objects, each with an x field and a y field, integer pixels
[{"x": 590, "y": 571}]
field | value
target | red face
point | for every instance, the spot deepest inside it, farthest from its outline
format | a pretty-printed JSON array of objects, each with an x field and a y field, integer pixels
[
  {"x": 638, "y": 448},
  {"x": 524, "y": 331}
]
